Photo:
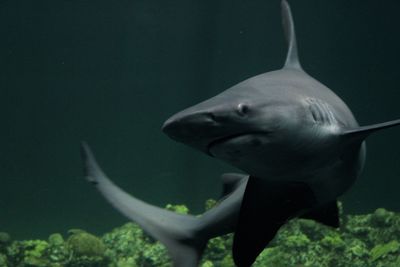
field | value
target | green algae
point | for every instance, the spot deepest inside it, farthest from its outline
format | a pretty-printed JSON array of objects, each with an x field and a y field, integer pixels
[
  {"x": 370, "y": 240},
  {"x": 82, "y": 243},
  {"x": 333, "y": 241},
  {"x": 181, "y": 209},
  {"x": 209, "y": 204},
  {"x": 382, "y": 250}
]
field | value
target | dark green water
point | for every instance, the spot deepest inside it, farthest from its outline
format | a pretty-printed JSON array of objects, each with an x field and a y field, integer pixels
[{"x": 110, "y": 72}]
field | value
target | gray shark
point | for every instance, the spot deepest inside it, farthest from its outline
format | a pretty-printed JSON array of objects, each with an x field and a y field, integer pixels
[{"x": 297, "y": 141}]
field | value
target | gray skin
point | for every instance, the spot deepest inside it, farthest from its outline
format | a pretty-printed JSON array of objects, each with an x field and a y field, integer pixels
[
  {"x": 298, "y": 143},
  {"x": 281, "y": 125},
  {"x": 185, "y": 236}
]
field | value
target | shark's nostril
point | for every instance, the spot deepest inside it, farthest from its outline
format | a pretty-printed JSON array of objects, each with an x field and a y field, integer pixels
[{"x": 211, "y": 116}]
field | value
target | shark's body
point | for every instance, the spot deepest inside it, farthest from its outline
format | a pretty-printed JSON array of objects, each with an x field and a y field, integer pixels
[{"x": 299, "y": 143}]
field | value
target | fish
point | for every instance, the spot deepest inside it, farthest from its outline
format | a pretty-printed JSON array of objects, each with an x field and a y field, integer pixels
[{"x": 297, "y": 142}]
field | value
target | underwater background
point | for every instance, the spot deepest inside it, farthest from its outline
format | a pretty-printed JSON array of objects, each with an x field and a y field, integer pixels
[{"x": 111, "y": 72}]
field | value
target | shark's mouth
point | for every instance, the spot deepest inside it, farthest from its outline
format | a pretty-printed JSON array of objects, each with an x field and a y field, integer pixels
[{"x": 249, "y": 137}]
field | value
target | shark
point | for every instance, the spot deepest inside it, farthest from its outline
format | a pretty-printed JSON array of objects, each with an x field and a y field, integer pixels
[{"x": 299, "y": 147}]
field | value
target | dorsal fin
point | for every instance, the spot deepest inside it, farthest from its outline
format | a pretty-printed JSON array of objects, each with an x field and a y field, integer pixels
[
  {"x": 292, "y": 59},
  {"x": 360, "y": 133}
]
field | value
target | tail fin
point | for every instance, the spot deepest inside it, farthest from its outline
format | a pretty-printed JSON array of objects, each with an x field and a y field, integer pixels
[
  {"x": 359, "y": 134},
  {"x": 175, "y": 231}
]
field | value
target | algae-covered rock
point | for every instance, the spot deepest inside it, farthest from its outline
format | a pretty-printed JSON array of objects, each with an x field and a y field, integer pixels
[
  {"x": 219, "y": 250},
  {"x": 58, "y": 252},
  {"x": 209, "y": 204},
  {"x": 383, "y": 250},
  {"x": 371, "y": 240},
  {"x": 380, "y": 227},
  {"x": 3, "y": 260},
  {"x": 181, "y": 209},
  {"x": 382, "y": 217},
  {"x": 207, "y": 264},
  {"x": 87, "y": 249},
  {"x": 334, "y": 241},
  {"x": 28, "y": 253},
  {"x": 81, "y": 249},
  {"x": 129, "y": 246},
  {"x": 82, "y": 243},
  {"x": 56, "y": 239}
]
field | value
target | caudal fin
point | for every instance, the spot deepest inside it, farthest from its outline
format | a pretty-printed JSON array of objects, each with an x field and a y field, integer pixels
[{"x": 175, "y": 231}]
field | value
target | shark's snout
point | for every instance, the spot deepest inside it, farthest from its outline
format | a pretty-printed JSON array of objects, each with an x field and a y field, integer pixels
[
  {"x": 172, "y": 127},
  {"x": 168, "y": 126},
  {"x": 183, "y": 127},
  {"x": 202, "y": 124}
]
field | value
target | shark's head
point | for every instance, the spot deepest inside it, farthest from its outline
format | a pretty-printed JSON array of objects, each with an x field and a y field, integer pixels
[
  {"x": 243, "y": 125},
  {"x": 269, "y": 125},
  {"x": 256, "y": 125}
]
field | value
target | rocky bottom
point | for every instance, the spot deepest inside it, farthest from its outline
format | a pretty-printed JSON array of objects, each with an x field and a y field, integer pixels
[{"x": 362, "y": 241}]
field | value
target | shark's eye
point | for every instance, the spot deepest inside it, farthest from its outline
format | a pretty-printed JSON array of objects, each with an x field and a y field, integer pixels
[{"x": 242, "y": 109}]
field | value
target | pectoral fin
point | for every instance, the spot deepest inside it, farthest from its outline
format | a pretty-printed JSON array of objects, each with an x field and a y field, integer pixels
[
  {"x": 360, "y": 133},
  {"x": 265, "y": 208}
]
